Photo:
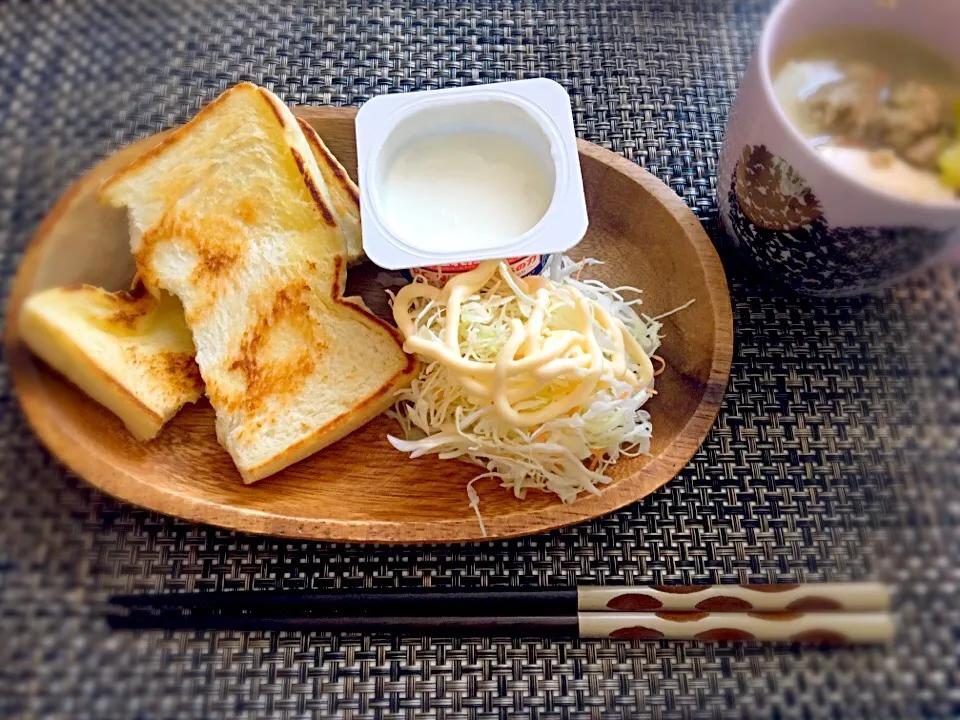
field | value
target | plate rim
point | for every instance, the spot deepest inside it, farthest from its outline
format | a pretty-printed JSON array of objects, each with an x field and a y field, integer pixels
[{"x": 117, "y": 483}]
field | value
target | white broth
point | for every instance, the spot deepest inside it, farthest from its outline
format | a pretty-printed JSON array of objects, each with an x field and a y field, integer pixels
[{"x": 878, "y": 104}]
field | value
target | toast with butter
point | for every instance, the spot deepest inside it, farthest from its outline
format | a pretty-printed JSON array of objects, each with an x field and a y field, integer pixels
[
  {"x": 131, "y": 352},
  {"x": 342, "y": 193},
  {"x": 228, "y": 215}
]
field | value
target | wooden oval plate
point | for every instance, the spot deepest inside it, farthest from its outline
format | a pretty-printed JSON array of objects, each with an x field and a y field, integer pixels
[{"x": 360, "y": 489}]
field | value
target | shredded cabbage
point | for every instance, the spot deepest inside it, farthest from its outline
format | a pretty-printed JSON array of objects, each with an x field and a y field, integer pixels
[{"x": 568, "y": 455}]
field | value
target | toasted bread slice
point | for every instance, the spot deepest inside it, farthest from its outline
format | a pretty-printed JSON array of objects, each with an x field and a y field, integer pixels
[
  {"x": 131, "y": 353},
  {"x": 227, "y": 215},
  {"x": 343, "y": 194}
]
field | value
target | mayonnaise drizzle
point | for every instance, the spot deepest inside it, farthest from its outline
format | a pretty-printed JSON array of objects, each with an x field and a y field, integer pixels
[{"x": 533, "y": 356}]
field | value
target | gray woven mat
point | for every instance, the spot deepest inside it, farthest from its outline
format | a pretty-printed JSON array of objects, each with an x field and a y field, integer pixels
[{"x": 834, "y": 457}]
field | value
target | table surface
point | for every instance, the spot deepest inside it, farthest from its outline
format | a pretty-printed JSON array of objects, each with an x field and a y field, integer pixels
[{"x": 835, "y": 455}]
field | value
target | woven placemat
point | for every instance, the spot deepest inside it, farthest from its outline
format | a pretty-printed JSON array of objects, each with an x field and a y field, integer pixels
[{"x": 835, "y": 455}]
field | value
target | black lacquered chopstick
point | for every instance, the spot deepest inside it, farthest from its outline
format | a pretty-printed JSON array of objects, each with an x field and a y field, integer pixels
[
  {"x": 400, "y": 601},
  {"x": 812, "y": 627},
  {"x": 486, "y": 601},
  {"x": 389, "y": 601},
  {"x": 470, "y": 626}
]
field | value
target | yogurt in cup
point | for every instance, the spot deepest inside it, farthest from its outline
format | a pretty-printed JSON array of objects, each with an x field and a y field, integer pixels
[{"x": 449, "y": 178}]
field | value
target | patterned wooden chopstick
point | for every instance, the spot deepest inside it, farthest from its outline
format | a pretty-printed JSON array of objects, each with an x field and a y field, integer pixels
[
  {"x": 816, "y": 628},
  {"x": 812, "y": 597}
]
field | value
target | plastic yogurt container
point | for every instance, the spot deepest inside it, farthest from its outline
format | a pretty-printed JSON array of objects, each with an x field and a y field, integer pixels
[{"x": 449, "y": 178}]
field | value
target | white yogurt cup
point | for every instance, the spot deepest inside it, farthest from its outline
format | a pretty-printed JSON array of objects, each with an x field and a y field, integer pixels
[{"x": 449, "y": 178}]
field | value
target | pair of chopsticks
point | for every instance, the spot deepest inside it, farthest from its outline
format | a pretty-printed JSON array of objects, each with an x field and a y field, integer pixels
[{"x": 826, "y": 613}]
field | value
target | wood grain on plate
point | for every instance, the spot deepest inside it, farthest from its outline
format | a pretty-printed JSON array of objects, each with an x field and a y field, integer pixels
[{"x": 360, "y": 489}]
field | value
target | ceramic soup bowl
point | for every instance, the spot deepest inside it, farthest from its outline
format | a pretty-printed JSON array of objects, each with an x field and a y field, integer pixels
[{"x": 801, "y": 220}]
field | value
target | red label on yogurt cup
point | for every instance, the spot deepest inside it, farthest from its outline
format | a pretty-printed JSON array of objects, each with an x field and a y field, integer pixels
[{"x": 440, "y": 274}]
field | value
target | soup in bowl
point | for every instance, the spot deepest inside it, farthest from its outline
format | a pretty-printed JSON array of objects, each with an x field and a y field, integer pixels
[{"x": 879, "y": 105}]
